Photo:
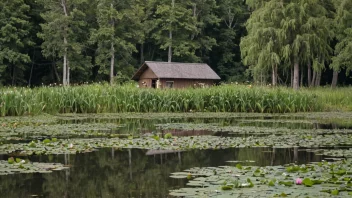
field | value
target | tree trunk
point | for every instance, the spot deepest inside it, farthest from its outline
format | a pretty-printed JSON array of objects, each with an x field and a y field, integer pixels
[
  {"x": 55, "y": 72},
  {"x": 296, "y": 74},
  {"x": 169, "y": 59},
  {"x": 68, "y": 73},
  {"x": 317, "y": 79},
  {"x": 31, "y": 73},
  {"x": 309, "y": 74},
  {"x": 112, "y": 51},
  {"x": 64, "y": 73},
  {"x": 334, "y": 79},
  {"x": 65, "y": 65},
  {"x": 312, "y": 83},
  {"x": 194, "y": 15},
  {"x": 112, "y": 64},
  {"x": 274, "y": 75}
]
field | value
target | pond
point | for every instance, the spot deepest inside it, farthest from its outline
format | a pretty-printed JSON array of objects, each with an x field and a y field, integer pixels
[{"x": 166, "y": 156}]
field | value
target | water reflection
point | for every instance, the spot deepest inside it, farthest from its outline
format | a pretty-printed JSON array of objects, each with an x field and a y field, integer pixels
[
  {"x": 132, "y": 172},
  {"x": 145, "y": 173}
]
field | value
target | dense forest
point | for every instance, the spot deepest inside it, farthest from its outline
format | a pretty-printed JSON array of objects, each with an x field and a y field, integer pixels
[{"x": 279, "y": 42}]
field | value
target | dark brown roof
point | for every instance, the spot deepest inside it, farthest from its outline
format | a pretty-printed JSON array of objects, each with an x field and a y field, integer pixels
[{"x": 178, "y": 70}]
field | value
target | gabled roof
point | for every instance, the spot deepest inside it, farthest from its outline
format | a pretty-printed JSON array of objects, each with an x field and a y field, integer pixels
[{"x": 178, "y": 70}]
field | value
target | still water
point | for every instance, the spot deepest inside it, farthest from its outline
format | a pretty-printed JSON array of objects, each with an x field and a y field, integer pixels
[
  {"x": 141, "y": 173},
  {"x": 132, "y": 173}
]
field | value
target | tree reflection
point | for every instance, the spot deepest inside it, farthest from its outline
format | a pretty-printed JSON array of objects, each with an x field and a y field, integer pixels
[{"x": 133, "y": 173}]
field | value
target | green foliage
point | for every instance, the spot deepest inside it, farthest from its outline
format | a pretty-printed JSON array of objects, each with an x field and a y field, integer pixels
[
  {"x": 239, "y": 166},
  {"x": 286, "y": 33},
  {"x": 168, "y": 136},
  {"x": 240, "y": 40},
  {"x": 11, "y": 160},
  {"x": 179, "y": 20},
  {"x": 64, "y": 33},
  {"x": 308, "y": 182},
  {"x": 114, "y": 36},
  {"x": 14, "y": 39},
  {"x": 102, "y": 99},
  {"x": 343, "y": 25},
  {"x": 335, "y": 192}
]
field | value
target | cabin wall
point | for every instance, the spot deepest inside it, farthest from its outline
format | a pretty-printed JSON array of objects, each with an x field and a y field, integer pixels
[
  {"x": 146, "y": 78},
  {"x": 145, "y": 83},
  {"x": 148, "y": 74},
  {"x": 184, "y": 83}
]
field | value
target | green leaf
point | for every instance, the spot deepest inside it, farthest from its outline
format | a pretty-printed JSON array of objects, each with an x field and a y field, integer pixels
[
  {"x": 286, "y": 183},
  {"x": 168, "y": 136},
  {"x": 32, "y": 144},
  {"x": 250, "y": 183},
  {"x": 335, "y": 192},
  {"x": 46, "y": 141},
  {"x": 308, "y": 182},
  {"x": 156, "y": 137},
  {"x": 239, "y": 166},
  {"x": 11, "y": 160},
  {"x": 271, "y": 183}
]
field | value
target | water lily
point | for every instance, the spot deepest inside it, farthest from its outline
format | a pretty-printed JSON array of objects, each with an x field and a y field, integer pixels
[
  {"x": 299, "y": 181},
  {"x": 70, "y": 145}
]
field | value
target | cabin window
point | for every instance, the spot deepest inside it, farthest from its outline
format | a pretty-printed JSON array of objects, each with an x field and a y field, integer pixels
[{"x": 169, "y": 84}]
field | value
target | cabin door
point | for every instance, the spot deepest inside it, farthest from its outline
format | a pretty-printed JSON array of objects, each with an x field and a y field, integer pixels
[{"x": 153, "y": 84}]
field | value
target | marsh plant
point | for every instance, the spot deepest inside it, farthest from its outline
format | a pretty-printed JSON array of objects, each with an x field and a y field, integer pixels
[{"x": 117, "y": 99}]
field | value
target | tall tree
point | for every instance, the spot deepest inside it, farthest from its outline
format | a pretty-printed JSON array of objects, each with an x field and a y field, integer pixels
[
  {"x": 343, "y": 49},
  {"x": 174, "y": 26},
  {"x": 14, "y": 39},
  {"x": 226, "y": 54},
  {"x": 295, "y": 31},
  {"x": 62, "y": 31},
  {"x": 205, "y": 17},
  {"x": 263, "y": 45},
  {"x": 115, "y": 32},
  {"x": 306, "y": 34}
]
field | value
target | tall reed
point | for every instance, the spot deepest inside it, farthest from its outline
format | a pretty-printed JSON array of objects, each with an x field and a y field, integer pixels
[
  {"x": 339, "y": 99},
  {"x": 113, "y": 99}
]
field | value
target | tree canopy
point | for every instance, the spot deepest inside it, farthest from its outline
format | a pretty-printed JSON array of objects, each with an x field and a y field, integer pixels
[{"x": 279, "y": 42}]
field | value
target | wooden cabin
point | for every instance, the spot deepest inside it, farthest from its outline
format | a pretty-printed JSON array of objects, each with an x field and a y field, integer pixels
[{"x": 175, "y": 75}]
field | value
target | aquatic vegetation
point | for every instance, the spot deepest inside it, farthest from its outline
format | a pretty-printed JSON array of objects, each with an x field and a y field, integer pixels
[
  {"x": 17, "y": 165},
  {"x": 46, "y": 137},
  {"x": 248, "y": 130},
  {"x": 114, "y": 99},
  {"x": 345, "y": 153},
  {"x": 323, "y": 179},
  {"x": 61, "y": 146},
  {"x": 36, "y": 131}
]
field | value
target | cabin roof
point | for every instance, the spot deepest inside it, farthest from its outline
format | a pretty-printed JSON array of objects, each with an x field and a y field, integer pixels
[{"x": 175, "y": 70}]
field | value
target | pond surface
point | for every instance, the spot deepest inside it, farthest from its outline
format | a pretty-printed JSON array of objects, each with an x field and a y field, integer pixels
[
  {"x": 132, "y": 173},
  {"x": 123, "y": 172}
]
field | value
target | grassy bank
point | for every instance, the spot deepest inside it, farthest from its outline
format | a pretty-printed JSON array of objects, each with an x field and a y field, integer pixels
[
  {"x": 106, "y": 99},
  {"x": 339, "y": 99}
]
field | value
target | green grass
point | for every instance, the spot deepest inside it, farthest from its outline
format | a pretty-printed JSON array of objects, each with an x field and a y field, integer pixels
[
  {"x": 339, "y": 99},
  {"x": 226, "y": 98}
]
